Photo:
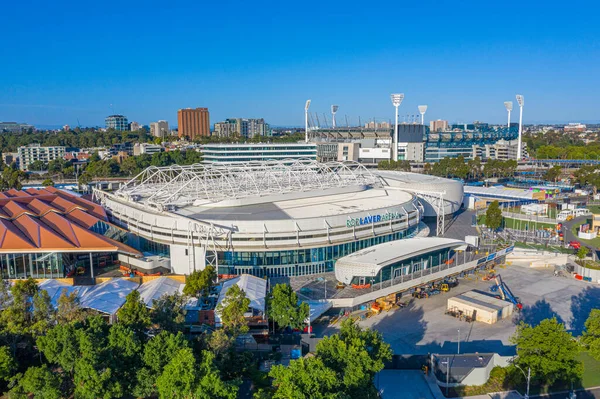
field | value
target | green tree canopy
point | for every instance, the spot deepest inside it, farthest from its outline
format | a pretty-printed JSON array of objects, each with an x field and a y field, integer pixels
[
  {"x": 7, "y": 363},
  {"x": 591, "y": 335},
  {"x": 134, "y": 313},
  {"x": 493, "y": 216},
  {"x": 232, "y": 310},
  {"x": 37, "y": 382},
  {"x": 549, "y": 350},
  {"x": 283, "y": 307},
  {"x": 305, "y": 378},
  {"x": 168, "y": 312},
  {"x": 199, "y": 282}
]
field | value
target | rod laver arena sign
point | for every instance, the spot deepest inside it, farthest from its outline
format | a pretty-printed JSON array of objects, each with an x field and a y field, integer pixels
[{"x": 372, "y": 219}]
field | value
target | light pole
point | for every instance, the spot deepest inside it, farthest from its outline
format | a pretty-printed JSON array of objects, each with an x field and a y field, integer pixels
[
  {"x": 509, "y": 107},
  {"x": 528, "y": 377},
  {"x": 334, "y": 109},
  {"x": 306, "y": 120},
  {"x": 521, "y": 101},
  {"x": 422, "y": 110},
  {"x": 396, "y": 101}
]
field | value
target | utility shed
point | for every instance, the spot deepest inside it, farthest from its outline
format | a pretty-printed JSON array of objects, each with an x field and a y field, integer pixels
[{"x": 483, "y": 307}]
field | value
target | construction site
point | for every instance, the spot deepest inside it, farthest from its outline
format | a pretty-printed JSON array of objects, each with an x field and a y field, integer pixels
[{"x": 424, "y": 322}]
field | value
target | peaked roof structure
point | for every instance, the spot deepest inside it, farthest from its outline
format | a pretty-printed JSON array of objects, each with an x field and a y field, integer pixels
[{"x": 52, "y": 220}]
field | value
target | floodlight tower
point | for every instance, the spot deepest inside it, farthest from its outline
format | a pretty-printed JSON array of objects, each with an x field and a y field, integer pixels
[
  {"x": 509, "y": 107},
  {"x": 306, "y": 120},
  {"x": 521, "y": 102},
  {"x": 396, "y": 101},
  {"x": 334, "y": 109},
  {"x": 422, "y": 110}
]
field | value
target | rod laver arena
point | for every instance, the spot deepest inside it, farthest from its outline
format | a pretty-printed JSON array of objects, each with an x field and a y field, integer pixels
[{"x": 272, "y": 218}]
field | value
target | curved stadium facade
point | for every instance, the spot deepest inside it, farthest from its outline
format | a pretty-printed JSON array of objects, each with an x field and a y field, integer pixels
[{"x": 272, "y": 218}]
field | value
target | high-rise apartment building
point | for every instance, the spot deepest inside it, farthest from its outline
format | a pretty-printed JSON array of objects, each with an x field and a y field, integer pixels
[
  {"x": 438, "y": 126},
  {"x": 133, "y": 126},
  {"x": 117, "y": 122},
  {"x": 193, "y": 123},
  {"x": 34, "y": 152},
  {"x": 246, "y": 128},
  {"x": 159, "y": 129}
]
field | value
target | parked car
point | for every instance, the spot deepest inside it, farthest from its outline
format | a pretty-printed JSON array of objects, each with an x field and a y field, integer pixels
[{"x": 575, "y": 244}]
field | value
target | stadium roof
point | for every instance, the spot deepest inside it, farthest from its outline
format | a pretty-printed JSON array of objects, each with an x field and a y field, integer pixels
[
  {"x": 52, "y": 220},
  {"x": 176, "y": 185}
]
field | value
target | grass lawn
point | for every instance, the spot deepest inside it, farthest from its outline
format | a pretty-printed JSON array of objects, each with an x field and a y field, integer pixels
[
  {"x": 594, "y": 242},
  {"x": 594, "y": 209},
  {"x": 545, "y": 248},
  {"x": 520, "y": 224},
  {"x": 499, "y": 382},
  {"x": 591, "y": 371}
]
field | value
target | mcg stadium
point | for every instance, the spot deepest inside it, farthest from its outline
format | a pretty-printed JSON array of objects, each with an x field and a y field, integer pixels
[{"x": 271, "y": 218}]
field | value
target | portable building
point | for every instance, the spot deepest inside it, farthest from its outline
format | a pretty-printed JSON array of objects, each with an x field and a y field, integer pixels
[{"x": 483, "y": 307}]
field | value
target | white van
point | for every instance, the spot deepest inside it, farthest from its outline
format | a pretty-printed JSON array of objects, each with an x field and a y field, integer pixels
[
  {"x": 563, "y": 215},
  {"x": 582, "y": 212}
]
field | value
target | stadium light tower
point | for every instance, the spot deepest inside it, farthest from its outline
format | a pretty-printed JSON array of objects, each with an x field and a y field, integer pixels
[
  {"x": 521, "y": 101},
  {"x": 306, "y": 120},
  {"x": 334, "y": 109},
  {"x": 396, "y": 101},
  {"x": 422, "y": 110},
  {"x": 509, "y": 107}
]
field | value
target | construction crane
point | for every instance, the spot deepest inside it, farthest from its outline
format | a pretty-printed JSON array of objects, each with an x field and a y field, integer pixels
[{"x": 505, "y": 293}]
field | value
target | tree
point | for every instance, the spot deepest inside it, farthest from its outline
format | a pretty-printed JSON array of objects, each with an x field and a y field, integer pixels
[
  {"x": 549, "y": 350},
  {"x": 7, "y": 363},
  {"x": 158, "y": 352},
  {"x": 168, "y": 312},
  {"x": 38, "y": 382},
  {"x": 134, "y": 313},
  {"x": 553, "y": 173},
  {"x": 356, "y": 355},
  {"x": 284, "y": 309},
  {"x": 210, "y": 384},
  {"x": 178, "y": 379},
  {"x": 582, "y": 252},
  {"x": 60, "y": 346},
  {"x": 493, "y": 216},
  {"x": 232, "y": 309},
  {"x": 69, "y": 309},
  {"x": 305, "y": 378},
  {"x": 200, "y": 281},
  {"x": 48, "y": 183},
  {"x": 124, "y": 353},
  {"x": 591, "y": 335},
  {"x": 44, "y": 314}
]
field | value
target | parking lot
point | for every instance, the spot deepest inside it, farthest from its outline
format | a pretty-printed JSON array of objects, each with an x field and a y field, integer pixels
[{"x": 423, "y": 327}]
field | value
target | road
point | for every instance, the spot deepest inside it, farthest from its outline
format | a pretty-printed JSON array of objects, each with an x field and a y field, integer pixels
[{"x": 569, "y": 236}]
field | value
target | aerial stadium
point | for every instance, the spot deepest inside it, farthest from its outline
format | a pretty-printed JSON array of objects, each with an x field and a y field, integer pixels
[{"x": 272, "y": 218}]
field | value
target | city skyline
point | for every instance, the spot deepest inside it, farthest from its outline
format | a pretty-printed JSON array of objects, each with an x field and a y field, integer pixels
[{"x": 463, "y": 60}]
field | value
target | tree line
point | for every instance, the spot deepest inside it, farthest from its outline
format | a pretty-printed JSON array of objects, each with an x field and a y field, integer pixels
[
  {"x": 65, "y": 351},
  {"x": 472, "y": 169}
]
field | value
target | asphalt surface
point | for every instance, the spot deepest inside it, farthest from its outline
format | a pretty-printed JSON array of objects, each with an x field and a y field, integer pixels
[{"x": 569, "y": 236}]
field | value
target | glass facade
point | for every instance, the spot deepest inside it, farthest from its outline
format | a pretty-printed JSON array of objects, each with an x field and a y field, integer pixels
[
  {"x": 298, "y": 262},
  {"x": 52, "y": 264},
  {"x": 406, "y": 267}
]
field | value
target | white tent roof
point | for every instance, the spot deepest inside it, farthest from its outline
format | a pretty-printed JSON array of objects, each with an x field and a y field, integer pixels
[
  {"x": 56, "y": 288},
  {"x": 108, "y": 297},
  {"x": 318, "y": 307},
  {"x": 155, "y": 289},
  {"x": 254, "y": 287}
]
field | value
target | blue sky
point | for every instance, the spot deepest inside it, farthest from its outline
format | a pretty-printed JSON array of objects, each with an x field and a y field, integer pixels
[{"x": 68, "y": 60}]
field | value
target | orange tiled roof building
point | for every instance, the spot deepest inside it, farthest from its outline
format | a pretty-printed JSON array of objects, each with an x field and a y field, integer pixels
[{"x": 50, "y": 233}]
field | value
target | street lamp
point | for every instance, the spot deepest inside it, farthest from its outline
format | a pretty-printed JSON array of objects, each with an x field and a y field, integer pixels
[
  {"x": 396, "y": 101},
  {"x": 527, "y": 377},
  {"x": 422, "y": 110},
  {"x": 521, "y": 101},
  {"x": 509, "y": 107},
  {"x": 306, "y": 120},
  {"x": 334, "y": 109}
]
